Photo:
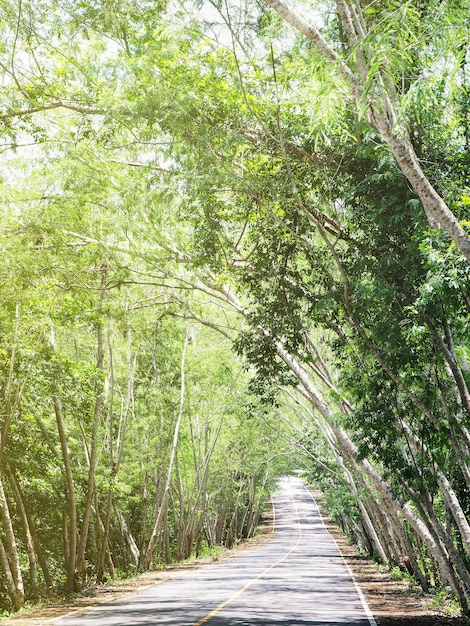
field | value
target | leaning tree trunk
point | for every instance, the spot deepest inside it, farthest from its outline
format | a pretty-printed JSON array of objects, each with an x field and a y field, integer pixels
[
  {"x": 28, "y": 539},
  {"x": 129, "y": 539},
  {"x": 382, "y": 113},
  {"x": 450, "y": 356},
  {"x": 384, "y": 517},
  {"x": 15, "y": 593},
  {"x": 349, "y": 450},
  {"x": 440, "y": 534},
  {"x": 193, "y": 524},
  {"x": 351, "y": 476},
  {"x": 28, "y": 521},
  {"x": 449, "y": 495},
  {"x": 9, "y": 555},
  {"x": 8, "y": 392}
]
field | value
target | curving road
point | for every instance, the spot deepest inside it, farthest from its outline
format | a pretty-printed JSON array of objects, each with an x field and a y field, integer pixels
[{"x": 297, "y": 579}]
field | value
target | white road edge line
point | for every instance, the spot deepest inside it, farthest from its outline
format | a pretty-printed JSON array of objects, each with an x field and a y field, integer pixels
[
  {"x": 365, "y": 606},
  {"x": 56, "y": 619}
]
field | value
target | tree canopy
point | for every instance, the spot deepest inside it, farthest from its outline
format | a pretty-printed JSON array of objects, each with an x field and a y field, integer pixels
[{"x": 234, "y": 242}]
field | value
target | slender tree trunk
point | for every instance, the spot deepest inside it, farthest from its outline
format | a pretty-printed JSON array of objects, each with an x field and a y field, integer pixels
[
  {"x": 8, "y": 398},
  {"x": 15, "y": 592},
  {"x": 458, "y": 576},
  {"x": 103, "y": 547},
  {"x": 457, "y": 432},
  {"x": 70, "y": 519},
  {"x": 375, "y": 524},
  {"x": 108, "y": 559},
  {"x": 145, "y": 564},
  {"x": 130, "y": 541},
  {"x": 451, "y": 359},
  {"x": 257, "y": 511},
  {"x": 20, "y": 508},
  {"x": 438, "y": 213},
  {"x": 201, "y": 459},
  {"x": 409, "y": 558},
  {"x": 448, "y": 493},
  {"x": 92, "y": 460},
  {"x": 385, "y": 518},
  {"x": 23, "y": 507},
  {"x": 380, "y": 545},
  {"x": 115, "y": 457},
  {"x": 16, "y": 586}
]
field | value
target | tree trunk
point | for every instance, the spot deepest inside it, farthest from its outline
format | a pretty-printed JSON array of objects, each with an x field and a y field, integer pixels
[
  {"x": 10, "y": 557},
  {"x": 385, "y": 517},
  {"x": 380, "y": 546},
  {"x": 8, "y": 395},
  {"x": 408, "y": 551},
  {"x": 20, "y": 508},
  {"x": 70, "y": 527},
  {"x": 15, "y": 593},
  {"x": 448, "y": 493},
  {"x": 92, "y": 460},
  {"x": 451, "y": 359},
  {"x": 21, "y": 504},
  {"x": 129, "y": 539},
  {"x": 145, "y": 564},
  {"x": 459, "y": 571},
  {"x": 104, "y": 550},
  {"x": 115, "y": 457}
]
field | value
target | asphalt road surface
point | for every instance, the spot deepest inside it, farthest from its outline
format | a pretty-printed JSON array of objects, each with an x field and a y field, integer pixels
[{"x": 297, "y": 579}]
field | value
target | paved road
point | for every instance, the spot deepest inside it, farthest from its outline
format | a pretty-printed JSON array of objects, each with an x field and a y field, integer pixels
[{"x": 297, "y": 579}]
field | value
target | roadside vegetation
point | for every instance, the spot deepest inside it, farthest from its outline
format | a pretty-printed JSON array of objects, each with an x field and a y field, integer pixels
[{"x": 234, "y": 242}]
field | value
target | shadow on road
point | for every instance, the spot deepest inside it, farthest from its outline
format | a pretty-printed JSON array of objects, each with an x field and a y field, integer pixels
[
  {"x": 422, "y": 620},
  {"x": 173, "y": 617}
]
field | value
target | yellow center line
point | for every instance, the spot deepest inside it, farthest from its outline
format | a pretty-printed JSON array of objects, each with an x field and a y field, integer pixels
[{"x": 222, "y": 605}]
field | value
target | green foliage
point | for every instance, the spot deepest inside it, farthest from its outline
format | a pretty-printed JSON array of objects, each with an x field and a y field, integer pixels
[{"x": 155, "y": 154}]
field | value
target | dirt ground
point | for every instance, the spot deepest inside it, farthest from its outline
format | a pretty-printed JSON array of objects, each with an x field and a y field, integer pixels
[{"x": 391, "y": 601}]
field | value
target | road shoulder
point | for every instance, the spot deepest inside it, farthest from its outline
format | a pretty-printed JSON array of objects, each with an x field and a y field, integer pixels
[{"x": 391, "y": 601}]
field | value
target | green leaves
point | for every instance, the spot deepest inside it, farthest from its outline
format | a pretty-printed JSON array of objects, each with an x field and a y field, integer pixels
[{"x": 162, "y": 156}]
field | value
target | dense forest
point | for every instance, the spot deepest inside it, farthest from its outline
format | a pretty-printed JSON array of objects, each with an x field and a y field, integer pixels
[{"x": 235, "y": 242}]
